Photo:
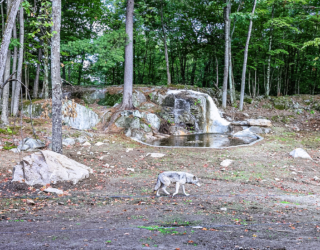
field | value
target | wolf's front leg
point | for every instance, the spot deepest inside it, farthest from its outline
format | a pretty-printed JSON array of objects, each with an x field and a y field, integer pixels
[
  {"x": 177, "y": 189},
  {"x": 184, "y": 191},
  {"x": 164, "y": 190}
]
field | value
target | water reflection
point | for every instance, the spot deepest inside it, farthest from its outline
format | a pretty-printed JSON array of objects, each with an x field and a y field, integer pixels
[{"x": 202, "y": 140}]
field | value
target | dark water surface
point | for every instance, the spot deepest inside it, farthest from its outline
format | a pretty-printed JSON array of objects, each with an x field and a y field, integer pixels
[{"x": 202, "y": 140}]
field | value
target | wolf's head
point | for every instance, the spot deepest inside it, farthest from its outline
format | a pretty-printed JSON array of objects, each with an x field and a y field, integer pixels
[{"x": 193, "y": 180}]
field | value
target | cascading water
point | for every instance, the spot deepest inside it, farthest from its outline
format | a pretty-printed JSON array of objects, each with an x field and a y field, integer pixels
[{"x": 213, "y": 121}]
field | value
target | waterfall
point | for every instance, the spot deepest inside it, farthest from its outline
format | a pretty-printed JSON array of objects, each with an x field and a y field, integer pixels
[{"x": 214, "y": 123}]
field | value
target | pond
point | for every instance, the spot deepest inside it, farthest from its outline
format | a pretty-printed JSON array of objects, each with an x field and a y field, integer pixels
[{"x": 206, "y": 140}]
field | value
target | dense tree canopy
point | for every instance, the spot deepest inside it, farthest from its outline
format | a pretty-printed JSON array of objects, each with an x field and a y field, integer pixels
[{"x": 282, "y": 58}]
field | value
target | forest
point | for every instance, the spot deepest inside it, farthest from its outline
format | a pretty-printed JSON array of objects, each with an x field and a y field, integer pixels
[
  {"x": 106, "y": 103},
  {"x": 283, "y": 50}
]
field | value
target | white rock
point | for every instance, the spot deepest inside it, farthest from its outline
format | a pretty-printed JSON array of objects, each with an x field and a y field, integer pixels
[
  {"x": 293, "y": 173},
  {"x": 53, "y": 190},
  {"x": 99, "y": 144},
  {"x": 155, "y": 155},
  {"x": 223, "y": 209},
  {"x": 1, "y": 147},
  {"x": 68, "y": 142},
  {"x": 130, "y": 169},
  {"x": 86, "y": 144},
  {"x": 47, "y": 167},
  {"x": 106, "y": 165},
  {"x": 259, "y": 122},
  {"x": 103, "y": 157},
  {"x": 129, "y": 149},
  {"x": 276, "y": 179},
  {"x": 15, "y": 150},
  {"x": 78, "y": 153},
  {"x": 197, "y": 227},
  {"x": 300, "y": 153},
  {"x": 316, "y": 178},
  {"x": 226, "y": 163}
]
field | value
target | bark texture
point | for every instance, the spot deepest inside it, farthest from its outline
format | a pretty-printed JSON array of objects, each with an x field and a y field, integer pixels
[
  {"x": 226, "y": 53},
  {"x": 165, "y": 48},
  {"x": 56, "y": 78},
  {"x": 5, "y": 93},
  {"x": 20, "y": 64},
  {"x": 36, "y": 80},
  {"x": 244, "y": 68},
  {"x": 12, "y": 13},
  {"x": 128, "y": 67}
]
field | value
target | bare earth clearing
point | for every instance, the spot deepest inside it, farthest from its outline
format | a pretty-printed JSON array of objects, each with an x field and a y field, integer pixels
[{"x": 264, "y": 200}]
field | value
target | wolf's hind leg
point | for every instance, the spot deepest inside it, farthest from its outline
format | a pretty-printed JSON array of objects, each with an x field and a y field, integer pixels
[
  {"x": 164, "y": 190},
  {"x": 184, "y": 191},
  {"x": 177, "y": 189}
]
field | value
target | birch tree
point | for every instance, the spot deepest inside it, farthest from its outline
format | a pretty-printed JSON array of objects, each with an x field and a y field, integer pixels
[
  {"x": 56, "y": 79},
  {"x": 165, "y": 47},
  {"x": 244, "y": 69}
]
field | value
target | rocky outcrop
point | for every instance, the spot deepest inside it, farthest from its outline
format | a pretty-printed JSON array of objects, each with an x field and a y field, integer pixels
[
  {"x": 48, "y": 167},
  {"x": 85, "y": 117}
]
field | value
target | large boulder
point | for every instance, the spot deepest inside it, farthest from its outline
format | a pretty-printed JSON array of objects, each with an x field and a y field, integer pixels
[
  {"x": 35, "y": 110},
  {"x": 91, "y": 96},
  {"x": 85, "y": 117},
  {"x": 48, "y": 167},
  {"x": 246, "y": 136}
]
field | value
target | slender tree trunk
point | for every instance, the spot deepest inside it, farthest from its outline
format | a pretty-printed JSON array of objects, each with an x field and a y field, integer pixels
[
  {"x": 36, "y": 80},
  {"x": 249, "y": 83},
  {"x": 269, "y": 59},
  {"x": 20, "y": 64},
  {"x": 11, "y": 15},
  {"x": 45, "y": 90},
  {"x": 128, "y": 69},
  {"x": 5, "y": 93},
  {"x": 226, "y": 53},
  {"x": 14, "y": 67},
  {"x": 165, "y": 47},
  {"x": 217, "y": 71},
  {"x": 2, "y": 18},
  {"x": 56, "y": 78},
  {"x": 255, "y": 84},
  {"x": 244, "y": 69},
  {"x": 193, "y": 73}
]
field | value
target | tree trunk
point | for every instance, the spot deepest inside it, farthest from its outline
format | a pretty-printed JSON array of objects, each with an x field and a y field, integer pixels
[
  {"x": 244, "y": 69},
  {"x": 45, "y": 89},
  {"x": 2, "y": 18},
  {"x": 217, "y": 71},
  {"x": 20, "y": 64},
  {"x": 249, "y": 83},
  {"x": 11, "y": 15},
  {"x": 5, "y": 93},
  {"x": 269, "y": 59},
  {"x": 56, "y": 78},
  {"x": 226, "y": 53},
  {"x": 165, "y": 47},
  {"x": 193, "y": 73},
  {"x": 36, "y": 80},
  {"x": 128, "y": 68},
  {"x": 14, "y": 67}
]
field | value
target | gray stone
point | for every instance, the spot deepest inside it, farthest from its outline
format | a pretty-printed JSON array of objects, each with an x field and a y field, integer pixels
[
  {"x": 35, "y": 109},
  {"x": 138, "y": 98},
  {"x": 177, "y": 130},
  {"x": 91, "y": 97},
  {"x": 146, "y": 128},
  {"x": 246, "y": 136},
  {"x": 157, "y": 97},
  {"x": 240, "y": 123},
  {"x": 86, "y": 118},
  {"x": 260, "y": 122},
  {"x": 153, "y": 120},
  {"x": 82, "y": 139},
  {"x": 53, "y": 190},
  {"x": 135, "y": 124},
  {"x": 300, "y": 153},
  {"x": 137, "y": 134},
  {"x": 68, "y": 142},
  {"x": 30, "y": 143},
  {"x": 48, "y": 167}
]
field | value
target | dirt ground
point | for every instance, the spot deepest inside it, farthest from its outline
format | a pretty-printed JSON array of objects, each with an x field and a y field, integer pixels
[{"x": 264, "y": 200}]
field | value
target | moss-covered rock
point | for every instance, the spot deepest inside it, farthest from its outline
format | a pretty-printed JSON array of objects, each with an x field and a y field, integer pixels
[
  {"x": 284, "y": 102},
  {"x": 248, "y": 99}
]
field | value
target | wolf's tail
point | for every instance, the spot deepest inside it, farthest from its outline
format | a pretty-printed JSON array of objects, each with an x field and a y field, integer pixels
[{"x": 158, "y": 185}]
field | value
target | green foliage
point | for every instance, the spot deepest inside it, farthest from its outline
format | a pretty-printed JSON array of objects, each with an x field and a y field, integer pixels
[{"x": 111, "y": 100}]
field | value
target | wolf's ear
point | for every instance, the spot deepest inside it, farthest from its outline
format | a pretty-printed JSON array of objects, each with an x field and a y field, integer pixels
[{"x": 194, "y": 177}]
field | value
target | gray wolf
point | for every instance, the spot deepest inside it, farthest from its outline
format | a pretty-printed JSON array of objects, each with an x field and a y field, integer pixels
[{"x": 180, "y": 178}]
